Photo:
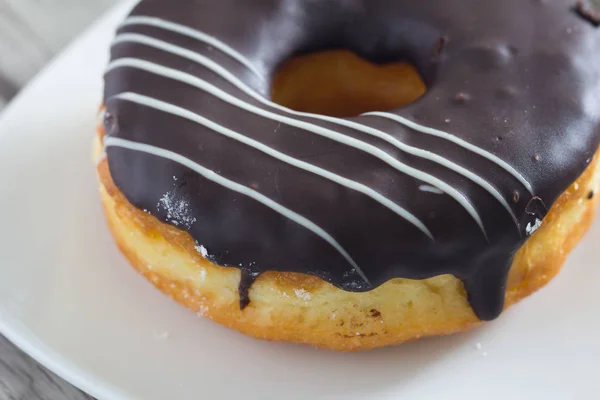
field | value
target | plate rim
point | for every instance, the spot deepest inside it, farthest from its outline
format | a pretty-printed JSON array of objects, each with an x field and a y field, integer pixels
[{"x": 10, "y": 328}]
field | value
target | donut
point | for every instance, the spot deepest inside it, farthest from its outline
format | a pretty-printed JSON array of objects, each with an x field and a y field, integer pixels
[{"x": 417, "y": 212}]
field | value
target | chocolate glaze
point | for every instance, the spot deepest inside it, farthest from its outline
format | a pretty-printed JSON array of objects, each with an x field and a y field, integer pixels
[
  {"x": 246, "y": 281},
  {"x": 516, "y": 78}
]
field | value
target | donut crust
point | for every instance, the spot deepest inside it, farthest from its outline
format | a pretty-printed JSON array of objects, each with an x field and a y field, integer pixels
[{"x": 298, "y": 308}]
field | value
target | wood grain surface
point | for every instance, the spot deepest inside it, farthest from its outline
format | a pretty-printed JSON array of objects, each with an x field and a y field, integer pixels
[
  {"x": 31, "y": 33},
  {"x": 23, "y": 379}
]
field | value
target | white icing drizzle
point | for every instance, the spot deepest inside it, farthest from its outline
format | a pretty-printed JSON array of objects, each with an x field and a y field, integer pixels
[
  {"x": 430, "y": 189},
  {"x": 186, "y": 114},
  {"x": 462, "y": 143},
  {"x": 214, "y": 67},
  {"x": 236, "y": 187},
  {"x": 199, "y": 35},
  {"x": 194, "y": 34},
  {"x": 328, "y": 133}
]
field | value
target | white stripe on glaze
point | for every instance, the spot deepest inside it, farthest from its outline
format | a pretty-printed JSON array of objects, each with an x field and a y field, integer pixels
[
  {"x": 194, "y": 34},
  {"x": 216, "y": 68},
  {"x": 236, "y": 187},
  {"x": 430, "y": 189},
  {"x": 199, "y": 35},
  {"x": 462, "y": 143},
  {"x": 328, "y": 133},
  {"x": 191, "y": 116}
]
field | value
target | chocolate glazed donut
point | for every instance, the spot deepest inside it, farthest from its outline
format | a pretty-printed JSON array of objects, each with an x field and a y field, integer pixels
[{"x": 451, "y": 184}]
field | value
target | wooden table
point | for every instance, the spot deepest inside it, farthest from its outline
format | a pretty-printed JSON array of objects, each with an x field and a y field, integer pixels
[{"x": 31, "y": 32}]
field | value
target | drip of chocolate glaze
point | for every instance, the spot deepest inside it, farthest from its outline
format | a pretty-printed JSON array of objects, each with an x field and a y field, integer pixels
[
  {"x": 507, "y": 74},
  {"x": 488, "y": 287},
  {"x": 246, "y": 281}
]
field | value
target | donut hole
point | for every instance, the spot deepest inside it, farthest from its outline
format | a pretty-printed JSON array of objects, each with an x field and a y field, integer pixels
[{"x": 339, "y": 83}]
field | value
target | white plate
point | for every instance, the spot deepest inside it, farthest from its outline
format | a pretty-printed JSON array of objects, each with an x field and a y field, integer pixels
[{"x": 68, "y": 298}]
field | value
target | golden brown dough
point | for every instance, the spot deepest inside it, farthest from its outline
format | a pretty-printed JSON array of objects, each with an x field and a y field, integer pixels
[
  {"x": 339, "y": 83},
  {"x": 304, "y": 309}
]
